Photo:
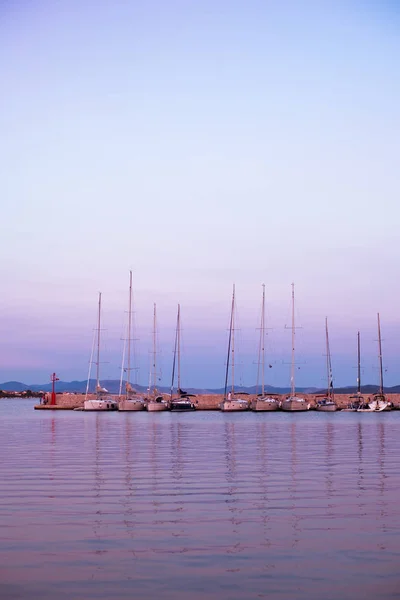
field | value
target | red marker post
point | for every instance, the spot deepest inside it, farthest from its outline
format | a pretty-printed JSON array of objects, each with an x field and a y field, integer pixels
[{"x": 53, "y": 380}]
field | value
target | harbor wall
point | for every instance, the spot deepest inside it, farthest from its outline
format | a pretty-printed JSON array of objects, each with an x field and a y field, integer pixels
[{"x": 212, "y": 401}]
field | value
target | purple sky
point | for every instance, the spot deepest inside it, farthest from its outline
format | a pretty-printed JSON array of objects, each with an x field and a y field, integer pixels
[{"x": 199, "y": 145}]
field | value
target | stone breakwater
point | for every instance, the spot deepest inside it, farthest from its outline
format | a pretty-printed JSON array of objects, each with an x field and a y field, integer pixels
[{"x": 212, "y": 401}]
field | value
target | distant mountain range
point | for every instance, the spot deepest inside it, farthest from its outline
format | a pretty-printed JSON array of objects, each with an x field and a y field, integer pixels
[{"x": 112, "y": 385}]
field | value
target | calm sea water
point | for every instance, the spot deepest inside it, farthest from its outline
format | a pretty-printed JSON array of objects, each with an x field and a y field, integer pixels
[{"x": 203, "y": 505}]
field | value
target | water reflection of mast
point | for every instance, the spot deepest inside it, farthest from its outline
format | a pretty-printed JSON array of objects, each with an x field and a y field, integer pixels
[
  {"x": 177, "y": 473},
  {"x": 231, "y": 477},
  {"x": 329, "y": 461},
  {"x": 293, "y": 487},
  {"x": 97, "y": 478},
  {"x": 154, "y": 464},
  {"x": 127, "y": 501},
  {"x": 381, "y": 459},
  {"x": 360, "y": 464},
  {"x": 262, "y": 437}
]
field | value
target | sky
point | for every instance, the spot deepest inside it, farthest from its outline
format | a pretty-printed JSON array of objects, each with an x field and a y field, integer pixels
[{"x": 199, "y": 144}]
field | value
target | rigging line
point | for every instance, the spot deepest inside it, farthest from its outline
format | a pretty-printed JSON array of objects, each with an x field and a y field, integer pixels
[
  {"x": 174, "y": 361},
  {"x": 229, "y": 343},
  {"x": 90, "y": 364},
  {"x": 122, "y": 367}
]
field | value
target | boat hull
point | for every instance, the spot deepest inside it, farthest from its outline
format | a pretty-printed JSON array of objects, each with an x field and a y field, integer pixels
[
  {"x": 328, "y": 407},
  {"x": 156, "y": 406},
  {"x": 384, "y": 408},
  {"x": 295, "y": 405},
  {"x": 233, "y": 405},
  {"x": 380, "y": 405},
  {"x": 181, "y": 406},
  {"x": 260, "y": 405},
  {"x": 129, "y": 404},
  {"x": 100, "y": 405}
]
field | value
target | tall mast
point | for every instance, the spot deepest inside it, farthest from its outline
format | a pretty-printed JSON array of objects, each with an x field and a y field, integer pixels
[
  {"x": 154, "y": 348},
  {"x": 263, "y": 340},
  {"x": 328, "y": 362},
  {"x": 229, "y": 344},
  {"x": 128, "y": 377},
  {"x": 176, "y": 349},
  {"x": 98, "y": 346},
  {"x": 380, "y": 357},
  {"x": 178, "y": 333},
  {"x": 358, "y": 364},
  {"x": 233, "y": 339},
  {"x": 293, "y": 341}
]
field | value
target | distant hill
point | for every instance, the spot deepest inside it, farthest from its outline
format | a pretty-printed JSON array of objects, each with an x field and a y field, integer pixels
[
  {"x": 112, "y": 385},
  {"x": 14, "y": 386},
  {"x": 366, "y": 389}
]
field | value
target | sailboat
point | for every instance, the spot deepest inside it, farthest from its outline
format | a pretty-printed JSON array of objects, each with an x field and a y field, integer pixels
[
  {"x": 103, "y": 400},
  {"x": 379, "y": 402},
  {"x": 293, "y": 402},
  {"x": 230, "y": 403},
  {"x": 357, "y": 400},
  {"x": 327, "y": 403},
  {"x": 182, "y": 402},
  {"x": 132, "y": 400},
  {"x": 263, "y": 402},
  {"x": 155, "y": 401}
]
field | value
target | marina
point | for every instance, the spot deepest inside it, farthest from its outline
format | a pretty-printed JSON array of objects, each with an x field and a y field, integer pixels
[
  {"x": 212, "y": 402},
  {"x": 232, "y": 399}
]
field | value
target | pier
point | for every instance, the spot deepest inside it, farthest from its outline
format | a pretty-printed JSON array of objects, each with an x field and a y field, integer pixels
[{"x": 202, "y": 401}]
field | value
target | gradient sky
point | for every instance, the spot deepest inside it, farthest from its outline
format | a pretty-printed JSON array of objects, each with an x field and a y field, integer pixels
[{"x": 199, "y": 144}]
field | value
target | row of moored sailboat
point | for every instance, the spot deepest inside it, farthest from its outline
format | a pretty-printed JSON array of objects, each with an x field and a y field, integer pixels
[
  {"x": 153, "y": 401},
  {"x": 294, "y": 402},
  {"x": 132, "y": 400}
]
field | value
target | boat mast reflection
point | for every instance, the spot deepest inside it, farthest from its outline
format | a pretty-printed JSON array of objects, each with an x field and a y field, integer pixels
[
  {"x": 295, "y": 518},
  {"x": 176, "y": 431},
  {"x": 128, "y": 498},
  {"x": 329, "y": 459},
  {"x": 262, "y": 436},
  {"x": 231, "y": 478},
  {"x": 382, "y": 473}
]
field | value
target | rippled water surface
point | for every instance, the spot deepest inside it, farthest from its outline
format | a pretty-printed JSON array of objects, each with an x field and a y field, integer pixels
[{"x": 198, "y": 505}]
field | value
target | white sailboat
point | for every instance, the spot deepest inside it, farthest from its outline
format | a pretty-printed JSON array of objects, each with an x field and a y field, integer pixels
[
  {"x": 293, "y": 402},
  {"x": 327, "y": 403},
  {"x": 183, "y": 401},
  {"x": 103, "y": 400},
  {"x": 132, "y": 400},
  {"x": 379, "y": 402},
  {"x": 155, "y": 401},
  {"x": 230, "y": 403},
  {"x": 263, "y": 402}
]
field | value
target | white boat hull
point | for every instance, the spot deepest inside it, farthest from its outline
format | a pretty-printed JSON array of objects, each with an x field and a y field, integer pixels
[
  {"x": 327, "y": 407},
  {"x": 376, "y": 406},
  {"x": 380, "y": 405},
  {"x": 128, "y": 404},
  {"x": 100, "y": 405},
  {"x": 264, "y": 404},
  {"x": 384, "y": 407},
  {"x": 233, "y": 405},
  {"x": 153, "y": 406},
  {"x": 295, "y": 405}
]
